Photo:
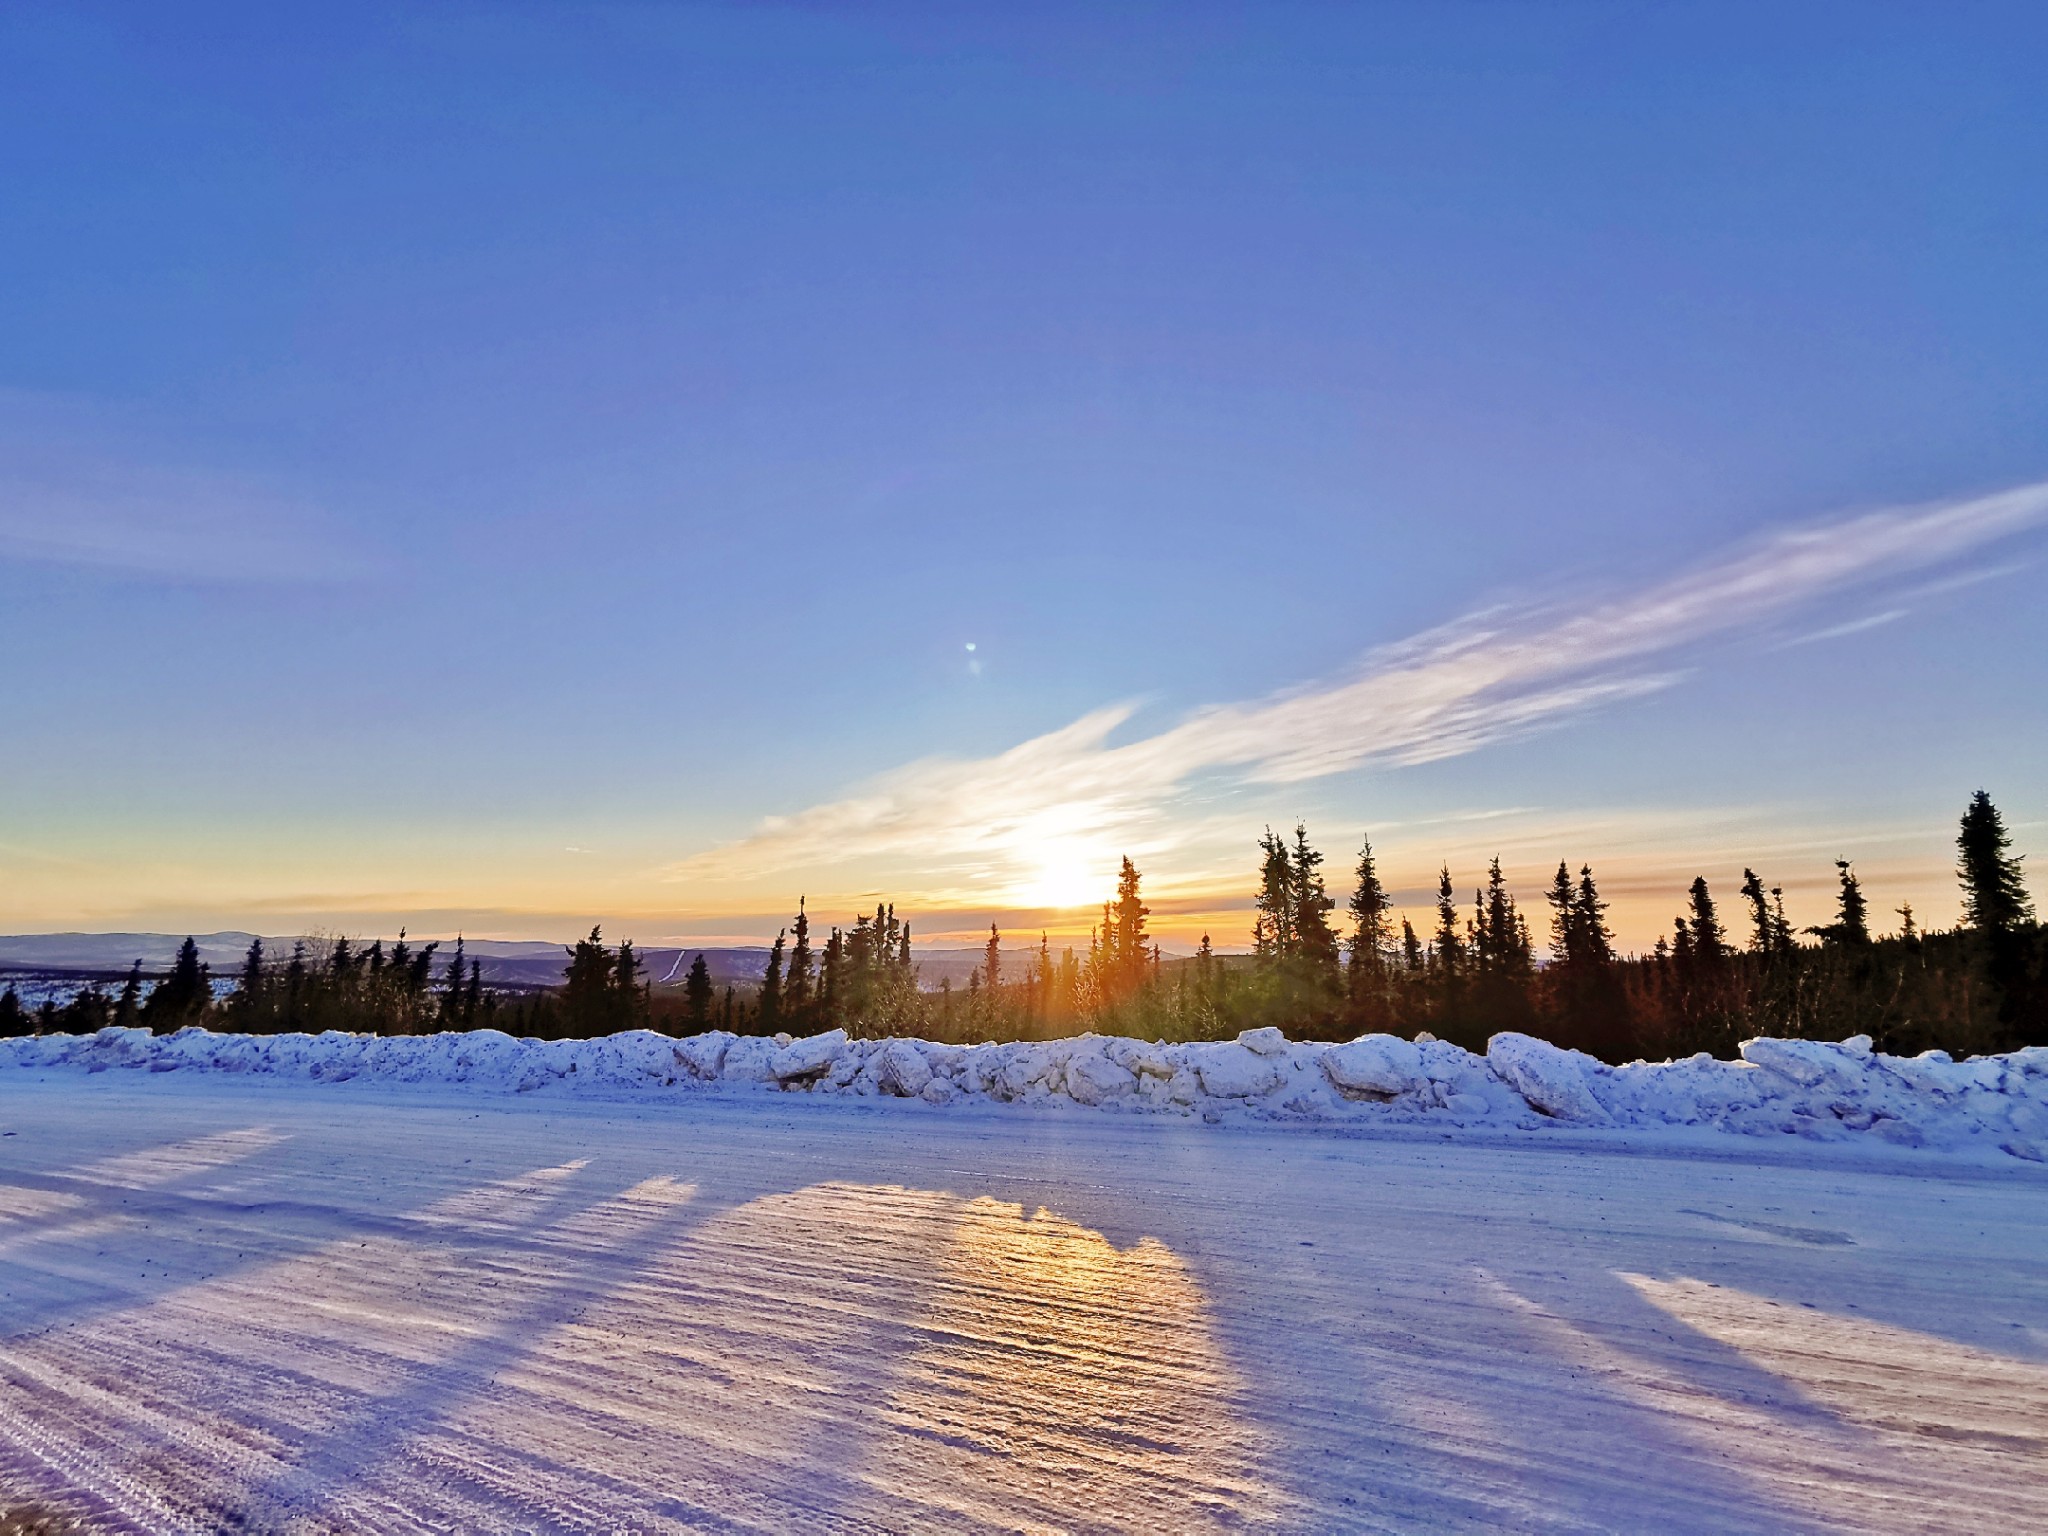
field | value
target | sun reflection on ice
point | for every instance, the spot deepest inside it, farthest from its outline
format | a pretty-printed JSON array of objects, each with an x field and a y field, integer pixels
[
  {"x": 1071, "y": 1383},
  {"x": 549, "y": 1349}
]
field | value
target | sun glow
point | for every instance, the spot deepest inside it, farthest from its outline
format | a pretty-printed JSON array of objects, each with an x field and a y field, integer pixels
[{"x": 1065, "y": 875}]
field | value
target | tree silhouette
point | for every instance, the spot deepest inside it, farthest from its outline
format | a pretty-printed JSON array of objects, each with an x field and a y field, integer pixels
[
  {"x": 697, "y": 994},
  {"x": 1994, "y": 895},
  {"x": 182, "y": 997},
  {"x": 796, "y": 985}
]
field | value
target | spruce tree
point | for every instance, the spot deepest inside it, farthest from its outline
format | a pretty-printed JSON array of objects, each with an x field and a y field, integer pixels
[
  {"x": 1852, "y": 924},
  {"x": 1763, "y": 929},
  {"x": 1273, "y": 929},
  {"x": 292, "y": 1008},
  {"x": 1994, "y": 894},
  {"x": 247, "y": 1006},
  {"x": 452, "y": 989},
  {"x": 15, "y": 1020},
  {"x": 588, "y": 993},
  {"x": 182, "y": 997},
  {"x": 1594, "y": 934},
  {"x": 128, "y": 1007},
  {"x": 1709, "y": 942},
  {"x": 1589, "y": 1006},
  {"x": 992, "y": 962},
  {"x": 796, "y": 986},
  {"x": 1449, "y": 948},
  {"x": 697, "y": 993},
  {"x": 832, "y": 982},
  {"x": 1780, "y": 924},
  {"x": 1370, "y": 940},
  {"x": 770, "y": 1012},
  {"x": 1502, "y": 963},
  {"x": 629, "y": 997},
  {"x": 1126, "y": 941},
  {"x": 1312, "y": 906},
  {"x": 1448, "y": 951},
  {"x": 1566, "y": 947}
]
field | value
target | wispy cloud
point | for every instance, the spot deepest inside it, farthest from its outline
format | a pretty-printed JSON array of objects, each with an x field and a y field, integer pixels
[
  {"x": 1013, "y": 826},
  {"x": 84, "y": 487},
  {"x": 1842, "y": 631}
]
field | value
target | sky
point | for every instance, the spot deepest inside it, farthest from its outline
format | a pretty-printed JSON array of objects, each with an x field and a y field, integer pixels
[{"x": 500, "y": 468}]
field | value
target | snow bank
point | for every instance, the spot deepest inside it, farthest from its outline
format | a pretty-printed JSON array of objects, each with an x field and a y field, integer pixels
[{"x": 1825, "y": 1092}]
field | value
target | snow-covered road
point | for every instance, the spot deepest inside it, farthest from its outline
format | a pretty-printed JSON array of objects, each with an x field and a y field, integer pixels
[{"x": 235, "y": 1304}]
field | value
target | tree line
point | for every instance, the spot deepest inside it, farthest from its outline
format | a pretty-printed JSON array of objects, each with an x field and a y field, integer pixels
[{"x": 1477, "y": 969}]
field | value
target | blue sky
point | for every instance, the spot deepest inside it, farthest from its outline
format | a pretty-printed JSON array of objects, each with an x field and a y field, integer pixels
[{"x": 506, "y": 466}]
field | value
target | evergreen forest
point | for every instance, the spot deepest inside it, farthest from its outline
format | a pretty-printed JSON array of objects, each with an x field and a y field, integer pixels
[{"x": 1731, "y": 967}]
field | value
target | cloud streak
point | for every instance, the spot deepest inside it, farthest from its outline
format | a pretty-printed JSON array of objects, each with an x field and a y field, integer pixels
[
  {"x": 81, "y": 488},
  {"x": 1008, "y": 827}
]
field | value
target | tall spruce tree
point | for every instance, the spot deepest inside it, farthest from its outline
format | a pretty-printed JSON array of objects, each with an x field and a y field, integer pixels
[
  {"x": 770, "y": 1012},
  {"x": 1709, "y": 940},
  {"x": 1273, "y": 936},
  {"x": 630, "y": 1004},
  {"x": 1763, "y": 937},
  {"x": 250, "y": 988},
  {"x": 1502, "y": 964},
  {"x": 1852, "y": 921},
  {"x": 1594, "y": 933},
  {"x": 796, "y": 986},
  {"x": 454, "y": 990},
  {"x": 697, "y": 994},
  {"x": 1566, "y": 947},
  {"x": 1994, "y": 894},
  {"x": 597, "y": 999},
  {"x": 1366, "y": 974},
  {"x": 1447, "y": 951},
  {"x": 1314, "y": 940},
  {"x": 1126, "y": 940}
]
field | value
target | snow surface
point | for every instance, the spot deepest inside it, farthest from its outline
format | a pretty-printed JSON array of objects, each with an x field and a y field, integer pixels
[
  {"x": 258, "y": 1301},
  {"x": 1820, "y": 1091}
]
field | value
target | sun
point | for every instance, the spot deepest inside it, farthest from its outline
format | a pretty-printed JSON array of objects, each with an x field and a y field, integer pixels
[{"x": 1062, "y": 876}]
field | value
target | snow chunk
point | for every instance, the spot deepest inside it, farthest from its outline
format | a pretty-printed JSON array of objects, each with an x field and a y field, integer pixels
[
  {"x": 747, "y": 1060},
  {"x": 704, "y": 1055},
  {"x": 1092, "y": 1078},
  {"x": 811, "y": 1057},
  {"x": 1808, "y": 1063},
  {"x": 1234, "y": 1072},
  {"x": 1550, "y": 1079},
  {"x": 901, "y": 1069},
  {"x": 1264, "y": 1042},
  {"x": 1379, "y": 1066}
]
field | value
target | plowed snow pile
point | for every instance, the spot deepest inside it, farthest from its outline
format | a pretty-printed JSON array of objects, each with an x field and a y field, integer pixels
[{"x": 1829, "y": 1092}]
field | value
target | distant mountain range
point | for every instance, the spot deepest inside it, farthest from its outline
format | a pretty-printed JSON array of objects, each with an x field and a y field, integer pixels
[{"x": 506, "y": 963}]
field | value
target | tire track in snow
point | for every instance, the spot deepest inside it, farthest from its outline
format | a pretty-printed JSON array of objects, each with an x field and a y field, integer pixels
[{"x": 862, "y": 1321}]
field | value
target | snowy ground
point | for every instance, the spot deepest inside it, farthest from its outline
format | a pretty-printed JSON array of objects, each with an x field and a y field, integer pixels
[{"x": 254, "y": 1303}]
